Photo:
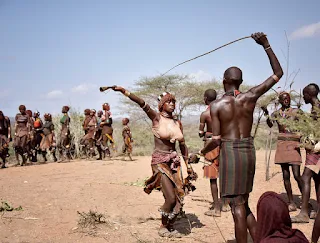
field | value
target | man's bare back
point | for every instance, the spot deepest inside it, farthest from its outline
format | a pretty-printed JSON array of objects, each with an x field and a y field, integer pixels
[
  {"x": 235, "y": 114},
  {"x": 205, "y": 121},
  {"x": 232, "y": 118}
]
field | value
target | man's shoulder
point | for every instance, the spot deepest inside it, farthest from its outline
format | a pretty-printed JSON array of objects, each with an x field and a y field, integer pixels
[
  {"x": 218, "y": 103},
  {"x": 206, "y": 112}
]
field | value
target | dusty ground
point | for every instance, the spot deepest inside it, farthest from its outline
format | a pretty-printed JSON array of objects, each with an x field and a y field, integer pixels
[{"x": 51, "y": 194}]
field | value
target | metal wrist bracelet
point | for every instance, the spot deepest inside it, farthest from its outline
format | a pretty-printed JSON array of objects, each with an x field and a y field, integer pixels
[{"x": 127, "y": 93}]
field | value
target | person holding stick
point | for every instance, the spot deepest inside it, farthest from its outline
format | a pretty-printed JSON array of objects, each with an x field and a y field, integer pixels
[
  {"x": 312, "y": 165},
  {"x": 166, "y": 164},
  {"x": 288, "y": 151},
  {"x": 232, "y": 118},
  {"x": 211, "y": 169}
]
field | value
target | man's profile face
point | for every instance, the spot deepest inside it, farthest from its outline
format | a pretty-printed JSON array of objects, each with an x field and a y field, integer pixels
[{"x": 306, "y": 96}]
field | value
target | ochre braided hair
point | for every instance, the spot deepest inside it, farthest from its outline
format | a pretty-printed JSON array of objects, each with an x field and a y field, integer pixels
[
  {"x": 86, "y": 112},
  {"x": 22, "y": 107},
  {"x": 47, "y": 117},
  {"x": 65, "y": 109},
  {"x": 29, "y": 112},
  {"x": 163, "y": 98}
]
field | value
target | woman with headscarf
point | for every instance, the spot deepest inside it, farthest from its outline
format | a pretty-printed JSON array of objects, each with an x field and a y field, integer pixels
[
  {"x": 274, "y": 223},
  {"x": 165, "y": 163}
]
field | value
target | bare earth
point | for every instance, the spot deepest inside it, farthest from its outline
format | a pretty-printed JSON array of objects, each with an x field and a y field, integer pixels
[{"x": 51, "y": 194}]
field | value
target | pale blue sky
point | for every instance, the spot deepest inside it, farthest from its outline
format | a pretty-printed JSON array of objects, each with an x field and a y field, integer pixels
[{"x": 54, "y": 53}]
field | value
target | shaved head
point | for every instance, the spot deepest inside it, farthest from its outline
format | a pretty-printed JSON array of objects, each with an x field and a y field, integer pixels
[
  {"x": 210, "y": 94},
  {"x": 310, "y": 92},
  {"x": 233, "y": 76},
  {"x": 312, "y": 89}
]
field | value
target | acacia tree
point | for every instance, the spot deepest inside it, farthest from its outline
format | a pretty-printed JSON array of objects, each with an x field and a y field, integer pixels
[{"x": 188, "y": 92}]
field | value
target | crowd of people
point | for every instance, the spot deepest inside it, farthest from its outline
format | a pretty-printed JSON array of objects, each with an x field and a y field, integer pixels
[
  {"x": 32, "y": 136},
  {"x": 228, "y": 151}
]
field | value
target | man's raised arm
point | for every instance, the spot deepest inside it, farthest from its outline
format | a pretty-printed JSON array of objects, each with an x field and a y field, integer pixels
[{"x": 259, "y": 90}]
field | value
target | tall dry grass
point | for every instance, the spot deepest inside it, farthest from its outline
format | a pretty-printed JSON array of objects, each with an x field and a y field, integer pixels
[
  {"x": 76, "y": 130},
  {"x": 143, "y": 144}
]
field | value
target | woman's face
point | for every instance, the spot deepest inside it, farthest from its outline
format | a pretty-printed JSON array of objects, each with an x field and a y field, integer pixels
[
  {"x": 106, "y": 107},
  {"x": 169, "y": 106}
]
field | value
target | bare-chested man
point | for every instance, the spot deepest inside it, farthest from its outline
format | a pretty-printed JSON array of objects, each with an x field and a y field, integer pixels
[
  {"x": 232, "y": 118},
  {"x": 23, "y": 129},
  {"x": 5, "y": 138},
  {"x": 288, "y": 151},
  {"x": 211, "y": 170},
  {"x": 312, "y": 165}
]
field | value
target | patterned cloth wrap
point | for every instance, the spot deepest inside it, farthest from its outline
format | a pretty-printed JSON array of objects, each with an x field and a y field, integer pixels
[
  {"x": 237, "y": 169},
  {"x": 166, "y": 163},
  {"x": 313, "y": 162}
]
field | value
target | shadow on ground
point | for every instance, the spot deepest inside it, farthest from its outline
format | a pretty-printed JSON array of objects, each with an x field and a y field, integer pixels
[
  {"x": 185, "y": 224},
  {"x": 297, "y": 200}
]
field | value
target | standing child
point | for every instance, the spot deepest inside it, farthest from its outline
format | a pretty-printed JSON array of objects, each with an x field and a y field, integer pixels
[{"x": 127, "y": 139}]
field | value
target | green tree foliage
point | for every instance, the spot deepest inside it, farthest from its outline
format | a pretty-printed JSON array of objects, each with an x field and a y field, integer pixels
[
  {"x": 307, "y": 126},
  {"x": 188, "y": 92}
]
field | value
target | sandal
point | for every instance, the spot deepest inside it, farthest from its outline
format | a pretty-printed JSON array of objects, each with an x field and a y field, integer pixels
[
  {"x": 300, "y": 219},
  {"x": 164, "y": 232},
  {"x": 175, "y": 234},
  {"x": 313, "y": 214},
  {"x": 292, "y": 207},
  {"x": 213, "y": 212},
  {"x": 225, "y": 208}
]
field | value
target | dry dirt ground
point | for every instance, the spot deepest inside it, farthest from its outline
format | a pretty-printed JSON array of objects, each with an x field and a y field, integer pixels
[{"x": 51, "y": 194}]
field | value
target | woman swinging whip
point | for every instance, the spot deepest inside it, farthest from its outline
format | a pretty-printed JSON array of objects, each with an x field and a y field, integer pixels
[{"x": 165, "y": 163}]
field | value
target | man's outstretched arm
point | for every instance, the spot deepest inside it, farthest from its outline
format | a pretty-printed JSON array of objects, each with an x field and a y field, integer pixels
[{"x": 259, "y": 90}]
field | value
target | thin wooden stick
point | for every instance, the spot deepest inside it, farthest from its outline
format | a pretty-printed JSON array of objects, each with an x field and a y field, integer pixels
[
  {"x": 270, "y": 147},
  {"x": 266, "y": 157},
  {"x": 246, "y": 37}
]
